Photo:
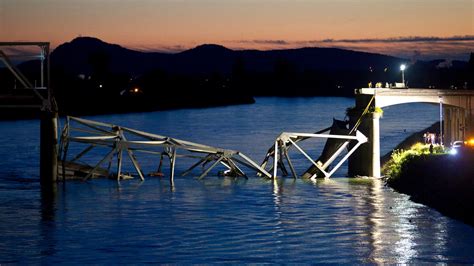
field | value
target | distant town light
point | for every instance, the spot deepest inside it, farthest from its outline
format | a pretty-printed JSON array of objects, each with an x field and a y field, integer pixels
[{"x": 135, "y": 90}]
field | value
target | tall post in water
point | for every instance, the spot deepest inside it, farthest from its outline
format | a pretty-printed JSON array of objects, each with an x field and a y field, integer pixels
[
  {"x": 365, "y": 161},
  {"x": 48, "y": 143},
  {"x": 48, "y": 132},
  {"x": 48, "y": 147}
]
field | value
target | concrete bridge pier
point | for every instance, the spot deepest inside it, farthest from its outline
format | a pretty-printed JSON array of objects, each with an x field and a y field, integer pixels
[
  {"x": 458, "y": 124},
  {"x": 454, "y": 124},
  {"x": 457, "y": 108},
  {"x": 366, "y": 160}
]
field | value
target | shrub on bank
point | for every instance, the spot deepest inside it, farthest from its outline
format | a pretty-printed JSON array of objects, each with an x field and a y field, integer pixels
[
  {"x": 439, "y": 180},
  {"x": 393, "y": 168}
]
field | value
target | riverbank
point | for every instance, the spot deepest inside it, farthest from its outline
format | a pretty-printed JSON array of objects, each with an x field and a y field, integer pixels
[
  {"x": 442, "y": 181},
  {"x": 410, "y": 141}
]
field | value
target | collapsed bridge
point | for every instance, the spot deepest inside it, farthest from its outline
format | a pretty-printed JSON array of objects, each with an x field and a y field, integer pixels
[
  {"x": 118, "y": 141},
  {"x": 118, "y": 144}
]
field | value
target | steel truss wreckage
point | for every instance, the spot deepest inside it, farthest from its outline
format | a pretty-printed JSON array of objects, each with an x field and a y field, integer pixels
[
  {"x": 121, "y": 143},
  {"x": 339, "y": 139}
]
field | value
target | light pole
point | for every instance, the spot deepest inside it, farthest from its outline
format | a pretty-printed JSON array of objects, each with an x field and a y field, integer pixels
[
  {"x": 402, "y": 68},
  {"x": 441, "y": 137}
]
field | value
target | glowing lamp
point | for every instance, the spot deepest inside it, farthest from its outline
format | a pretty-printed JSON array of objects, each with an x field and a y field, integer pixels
[
  {"x": 470, "y": 142},
  {"x": 402, "y": 68}
]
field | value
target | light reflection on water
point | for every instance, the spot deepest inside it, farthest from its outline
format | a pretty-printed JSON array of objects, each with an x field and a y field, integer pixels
[{"x": 222, "y": 219}]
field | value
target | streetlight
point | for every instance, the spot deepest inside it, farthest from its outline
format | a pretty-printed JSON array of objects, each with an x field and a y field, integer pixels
[
  {"x": 441, "y": 137},
  {"x": 402, "y": 68}
]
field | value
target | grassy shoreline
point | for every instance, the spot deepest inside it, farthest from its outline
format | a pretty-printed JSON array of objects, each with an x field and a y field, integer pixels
[
  {"x": 441, "y": 181},
  {"x": 410, "y": 141}
]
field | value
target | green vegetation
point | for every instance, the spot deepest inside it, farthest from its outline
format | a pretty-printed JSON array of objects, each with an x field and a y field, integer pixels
[
  {"x": 438, "y": 180},
  {"x": 399, "y": 158},
  {"x": 372, "y": 110},
  {"x": 376, "y": 110}
]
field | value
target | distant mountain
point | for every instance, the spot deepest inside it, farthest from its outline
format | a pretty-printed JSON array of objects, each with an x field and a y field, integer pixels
[
  {"x": 91, "y": 76},
  {"x": 76, "y": 56}
]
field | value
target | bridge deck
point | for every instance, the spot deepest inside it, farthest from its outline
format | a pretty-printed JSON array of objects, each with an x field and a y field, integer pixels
[
  {"x": 413, "y": 92},
  {"x": 386, "y": 97}
]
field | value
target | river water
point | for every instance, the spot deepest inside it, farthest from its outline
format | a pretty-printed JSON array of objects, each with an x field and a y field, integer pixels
[{"x": 219, "y": 219}]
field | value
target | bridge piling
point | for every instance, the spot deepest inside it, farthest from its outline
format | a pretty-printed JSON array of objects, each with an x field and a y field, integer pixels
[
  {"x": 48, "y": 148},
  {"x": 366, "y": 160}
]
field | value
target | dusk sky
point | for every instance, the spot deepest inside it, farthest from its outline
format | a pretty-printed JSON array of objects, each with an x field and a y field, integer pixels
[{"x": 423, "y": 28}]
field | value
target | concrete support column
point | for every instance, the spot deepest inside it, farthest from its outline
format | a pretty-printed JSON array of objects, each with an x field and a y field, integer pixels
[
  {"x": 374, "y": 141},
  {"x": 469, "y": 121},
  {"x": 355, "y": 161},
  {"x": 455, "y": 124},
  {"x": 463, "y": 125},
  {"x": 448, "y": 126},
  {"x": 48, "y": 148},
  {"x": 365, "y": 161}
]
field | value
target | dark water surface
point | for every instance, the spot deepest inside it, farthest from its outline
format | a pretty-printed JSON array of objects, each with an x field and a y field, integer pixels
[{"x": 220, "y": 219}]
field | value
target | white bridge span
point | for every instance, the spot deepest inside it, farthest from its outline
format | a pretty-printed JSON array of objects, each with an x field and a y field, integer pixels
[{"x": 456, "y": 112}]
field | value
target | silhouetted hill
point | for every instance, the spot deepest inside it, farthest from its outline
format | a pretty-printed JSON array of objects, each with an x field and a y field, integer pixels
[
  {"x": 80, "y": 55},
  {"x": 323, "y": 59},
  {"x": 111, "y": 78},
  {"x": 207, "y": 50},
  {"x": 203, "y": 59},
  {"x": 292, "y": 72},
  {"x": 322, "y": 70}
]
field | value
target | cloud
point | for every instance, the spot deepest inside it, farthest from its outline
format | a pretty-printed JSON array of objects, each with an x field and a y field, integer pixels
[
  {"x": 276, "y": 42},
  {"x": 410, "y": 47},
  {"x": 159, "y": 48},
  {"x": 400, "y": 39},
  {"x": 445, "y": 64}
]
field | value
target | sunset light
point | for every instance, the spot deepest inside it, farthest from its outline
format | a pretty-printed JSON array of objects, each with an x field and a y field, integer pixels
[{"x": 416, "y": 29}]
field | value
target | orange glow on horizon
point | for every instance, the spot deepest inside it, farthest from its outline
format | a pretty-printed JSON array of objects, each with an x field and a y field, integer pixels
[{"x": 278, "y": 24}]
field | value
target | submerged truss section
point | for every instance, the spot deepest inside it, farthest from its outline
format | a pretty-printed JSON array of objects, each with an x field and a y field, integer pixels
[
  {"x": 123, "y": 143},
  {"x": 339, "y": 139}
]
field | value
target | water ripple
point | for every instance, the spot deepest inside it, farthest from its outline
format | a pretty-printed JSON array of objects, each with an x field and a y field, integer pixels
[{"x": 222, "y": 220}]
